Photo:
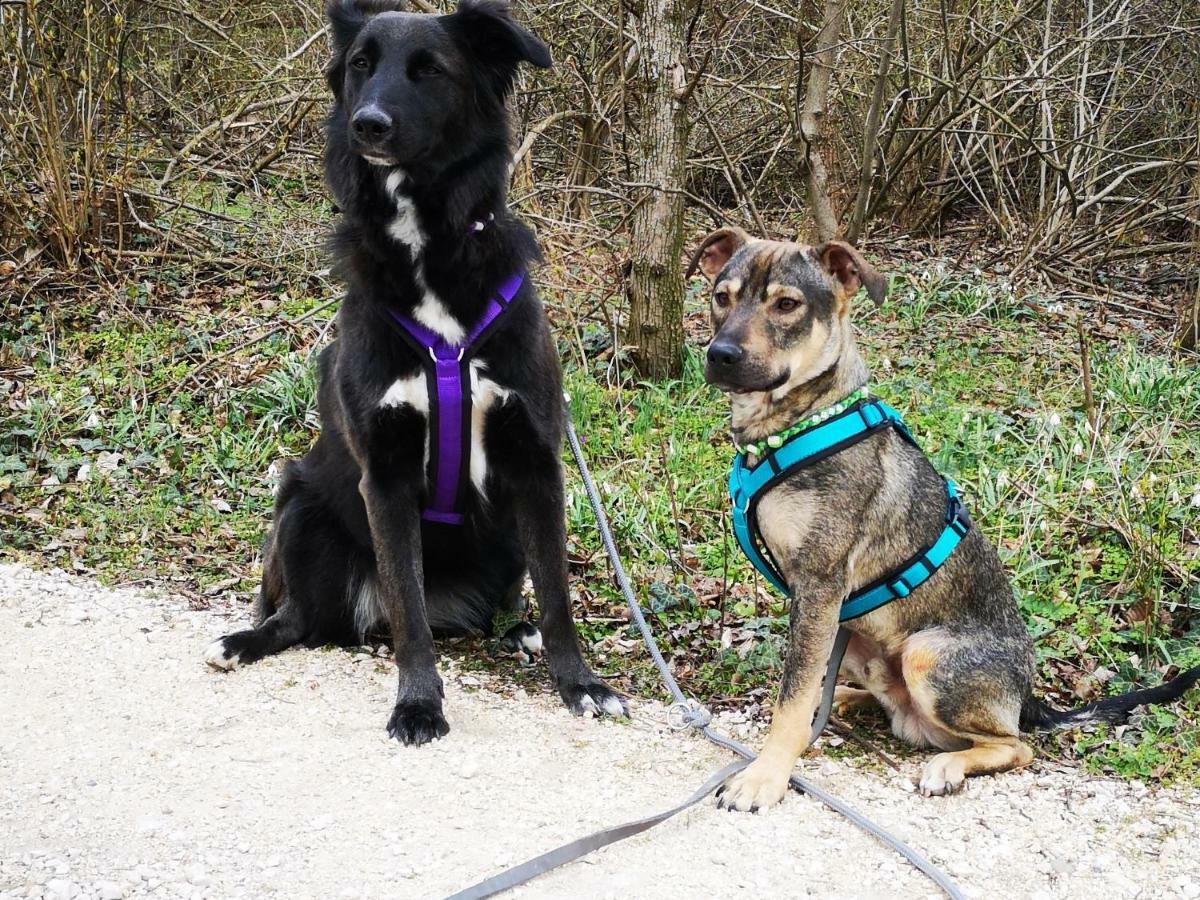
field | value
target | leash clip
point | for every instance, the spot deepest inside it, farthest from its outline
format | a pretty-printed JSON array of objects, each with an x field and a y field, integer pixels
[{"x": 687, "y": 714}]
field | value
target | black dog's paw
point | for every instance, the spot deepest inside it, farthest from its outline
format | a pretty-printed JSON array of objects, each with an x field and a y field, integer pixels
[
  {"x": 233, "y": 650},
  {"x": 220, "y": 655},
  {"x": 523, "y": 641},
  {"x": 592, "y": 696},
  {"x": 416, "y": 723}
]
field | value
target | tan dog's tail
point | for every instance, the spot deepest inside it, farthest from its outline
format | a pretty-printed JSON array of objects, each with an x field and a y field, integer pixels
[{"x": 1037, "y": 715}]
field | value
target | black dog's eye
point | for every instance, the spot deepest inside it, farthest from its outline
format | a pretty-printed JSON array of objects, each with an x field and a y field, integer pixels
[
  {"x": 428, "y": 70},
  {"x": 361, "y": 63},
  {"x": 787, "y": 304},
  {"x": 721, "y": 299}
]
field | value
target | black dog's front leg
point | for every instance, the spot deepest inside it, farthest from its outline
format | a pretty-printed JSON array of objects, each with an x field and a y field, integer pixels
[
  {"x": 393, "y": 514},
  {"x": 540, "y": 516}
]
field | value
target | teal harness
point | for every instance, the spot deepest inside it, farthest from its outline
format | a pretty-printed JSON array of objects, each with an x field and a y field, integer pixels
[{"x": 747, "y": 486}]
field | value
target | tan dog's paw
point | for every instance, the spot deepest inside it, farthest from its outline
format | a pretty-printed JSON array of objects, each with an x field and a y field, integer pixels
[
  {"x": 758, "y": 786},
  {"x": 848, "y": 700},
  {"x": 942, "y": 775}
]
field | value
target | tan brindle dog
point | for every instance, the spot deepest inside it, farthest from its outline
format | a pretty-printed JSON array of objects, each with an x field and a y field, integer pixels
[{"x": 952, "y": 663}]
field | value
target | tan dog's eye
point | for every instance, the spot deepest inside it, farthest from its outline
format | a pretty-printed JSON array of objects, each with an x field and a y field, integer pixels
[
  {"x": 721, "y": 299},
  {"x": 787, "y": 304}
]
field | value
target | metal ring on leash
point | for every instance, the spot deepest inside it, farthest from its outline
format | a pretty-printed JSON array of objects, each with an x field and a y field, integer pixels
[{"x": 684, "y": 714}]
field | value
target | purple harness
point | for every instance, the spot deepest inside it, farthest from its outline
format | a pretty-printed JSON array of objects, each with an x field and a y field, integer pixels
[{"x": 448, "y": 380}]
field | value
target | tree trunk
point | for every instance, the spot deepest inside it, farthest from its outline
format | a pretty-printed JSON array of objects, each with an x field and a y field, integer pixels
[
  {"x": 811, "y": 118},
  {"x": 1188, "y": 334},
  {"x": 654, "y": 331},
  {"x": 874, "y": 120}
]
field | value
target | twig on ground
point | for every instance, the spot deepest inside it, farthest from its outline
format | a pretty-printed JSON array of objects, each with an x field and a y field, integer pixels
[
  {"x": 212, "y": 360},
  {"x": 850, "y": 732}
]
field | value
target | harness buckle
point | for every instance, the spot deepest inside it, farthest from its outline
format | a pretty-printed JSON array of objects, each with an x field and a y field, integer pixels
[
  {"x": 436, "y": 358},
  {"x": 900, "y": 587},
  {"x": 867, "y": 420},
  {"x": 956, "y": 516}
]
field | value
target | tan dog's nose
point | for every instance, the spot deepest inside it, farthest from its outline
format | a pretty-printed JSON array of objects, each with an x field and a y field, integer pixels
[{"x": 725, "y": 353}]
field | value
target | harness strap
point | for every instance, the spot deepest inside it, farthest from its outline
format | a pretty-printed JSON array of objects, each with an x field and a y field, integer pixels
[
  {"x": 448, "y": 381},
  {"x": 747, "y": 485},
  {"x": 917, "y": 569}
]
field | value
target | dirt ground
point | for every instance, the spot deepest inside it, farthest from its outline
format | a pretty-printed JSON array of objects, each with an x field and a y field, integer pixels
[{"x": 128, "y": 768}]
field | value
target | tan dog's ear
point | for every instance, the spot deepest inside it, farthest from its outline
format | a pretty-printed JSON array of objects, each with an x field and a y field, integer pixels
[
  {"x": 716, "y": 250},
  {"x": 847, "y": 265}
]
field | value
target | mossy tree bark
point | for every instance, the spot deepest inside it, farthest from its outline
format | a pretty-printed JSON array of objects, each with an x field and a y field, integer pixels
[
  {"x": 654, "y": 330},
  {"x": 811, "y": 115}
]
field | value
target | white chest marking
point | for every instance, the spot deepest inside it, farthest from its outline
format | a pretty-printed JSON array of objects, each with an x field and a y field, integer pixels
[
  {"x": 405, "y": 229},
  {"x": 485, "y": 393},
  {"x": 394, "y": 180},
  {"x": 432, "y": 313},
  {"x": 410, "y": 391}
]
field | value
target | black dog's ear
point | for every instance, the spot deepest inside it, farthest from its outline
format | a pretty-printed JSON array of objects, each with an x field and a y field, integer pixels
[
  {"x": 487, "y": 30},
  {"x": 716, "y": 250},
  {"x": 346, "y": 19},
  {"x": 849, "y": 268}
]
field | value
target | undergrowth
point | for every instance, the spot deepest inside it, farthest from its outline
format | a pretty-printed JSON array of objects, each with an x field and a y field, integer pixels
[{"x": 141, "y": 438}]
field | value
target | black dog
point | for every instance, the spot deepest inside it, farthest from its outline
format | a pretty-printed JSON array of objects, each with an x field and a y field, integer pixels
[{"x": 392, "y": 524}]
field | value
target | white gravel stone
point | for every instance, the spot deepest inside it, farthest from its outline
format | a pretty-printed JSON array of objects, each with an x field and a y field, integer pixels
[{"x": 61, "y": 889}]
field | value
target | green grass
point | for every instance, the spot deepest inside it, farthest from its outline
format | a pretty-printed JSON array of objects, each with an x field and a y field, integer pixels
[{"x": 1098, "y": 530}]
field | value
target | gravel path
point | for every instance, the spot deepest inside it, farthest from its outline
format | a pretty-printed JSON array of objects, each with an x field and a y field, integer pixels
[{"x": 130, "y": 769}]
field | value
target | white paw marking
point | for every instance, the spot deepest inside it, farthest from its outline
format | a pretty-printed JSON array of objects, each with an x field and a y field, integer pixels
[
  {"x": 216, "y": 657},
  {"x": 532, "y": 643},
  {"x": 613, "y": 707},
  {"x": 588, "y": 705}
]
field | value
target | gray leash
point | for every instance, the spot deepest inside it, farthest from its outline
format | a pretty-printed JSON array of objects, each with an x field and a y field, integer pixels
[
  {"x": 695, "y": 716},
  {"x": 568, "y": 852},
  {"x": 829, "y": 685}
]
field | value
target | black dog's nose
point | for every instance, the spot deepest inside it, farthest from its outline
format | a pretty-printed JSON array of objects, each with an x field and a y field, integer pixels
[
  {"x": 725, "y": 353},
  {"x": 371, "y": 124}
]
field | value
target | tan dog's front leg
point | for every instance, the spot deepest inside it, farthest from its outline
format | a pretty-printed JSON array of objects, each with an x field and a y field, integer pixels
[{"x": 814, "y": 622}]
